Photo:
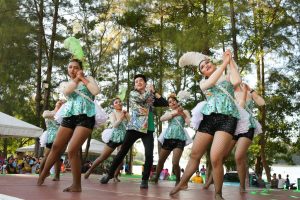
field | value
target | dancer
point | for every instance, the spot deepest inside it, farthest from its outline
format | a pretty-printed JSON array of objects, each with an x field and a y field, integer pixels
[
  {"x": 220, "y": 116},
  {"x": 141, "y": 125},
  {"x": 77, "y": 124},
  {"x": 174, "y": 137},
  {"x": 119, "y": 120},
  {"x": 246, "y": 98},
  {"x": 52, "y": 128}
]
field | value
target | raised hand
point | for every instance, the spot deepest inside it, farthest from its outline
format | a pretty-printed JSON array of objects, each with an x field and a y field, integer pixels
[{"x": 80, "y": 74}]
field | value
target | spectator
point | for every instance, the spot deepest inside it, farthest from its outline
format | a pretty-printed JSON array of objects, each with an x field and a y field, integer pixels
[
  {"x": 27, "y": 165},
  {"x": 11, "y": 167},
  {"x": 274, "y": 181},
  {"x": 197, "y": 178},
  {"x": 281, "y": 182},
  {"x": 287, "y": 182},
  {"x": 260, "y": 182}
]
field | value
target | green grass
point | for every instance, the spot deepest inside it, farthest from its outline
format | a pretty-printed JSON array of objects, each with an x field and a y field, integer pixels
[{"x": 131, "y": 176}]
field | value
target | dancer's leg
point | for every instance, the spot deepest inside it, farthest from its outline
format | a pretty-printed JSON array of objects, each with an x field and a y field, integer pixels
[
  {"x": 63, "y": 136},
  {"x": 47, "y": 151},
  {"x": 148, "y": 141},
  {"x": 177, "y": 152},
  {"x": 219, "y": 150},
  {"x": 163, "y": 155},
  {"x": 200, "y": 144},
  {"x": 210, "y": 178},
  {"x": 79, "y": 136},
  {"x": 130, "y": 137},
  {"x": 107, "y": 151},
  {"x": 57, "y": 166},
  {"x": 241, "y": 159}
]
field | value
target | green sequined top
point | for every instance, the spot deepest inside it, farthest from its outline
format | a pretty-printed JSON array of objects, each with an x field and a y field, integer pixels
[
  {"x": 119, "y": 132},
  {"x": 52, "y": 128},
  {"x": 174, "y": 130},
  {"x": 77, "y": 104},
  {"x": 219, "y": 102}
]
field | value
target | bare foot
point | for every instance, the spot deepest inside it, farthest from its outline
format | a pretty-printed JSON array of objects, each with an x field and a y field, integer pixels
[
  {"x": 184, "y": 187},
  {"x": 175, "y": 190},
  {"x": 116, "y": 179},
  {"x": 55, "y": 179},
  {"x": 86, "y": 175},
  {"x": 205, "y": 187},
  {"x": 243, "y": 190},
  {"x": 72, "y": 189},
  {"x": 40, "y": 181}
]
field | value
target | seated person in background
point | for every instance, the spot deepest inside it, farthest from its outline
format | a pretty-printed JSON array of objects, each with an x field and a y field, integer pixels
[
  {"x": 287, "y": 182},
  {"x": 11, "y": 167},
  {"x": 260, "y": 182},
  {"x": 197, "y": 178},
  {"x": 274, "y": 181},
  {"x": 27, "y": 165},
  {"x": 164, "y": 175},
  {"x": 281, "y": 182}
]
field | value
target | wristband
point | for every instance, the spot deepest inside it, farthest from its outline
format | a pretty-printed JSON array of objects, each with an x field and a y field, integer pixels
[{"x": 252, "y": 91}]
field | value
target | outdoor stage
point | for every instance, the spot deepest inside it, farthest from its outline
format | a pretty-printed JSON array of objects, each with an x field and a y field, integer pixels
[{"x": 13, "y": 187}]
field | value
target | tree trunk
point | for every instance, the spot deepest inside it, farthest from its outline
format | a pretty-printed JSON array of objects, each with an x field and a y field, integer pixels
[
  {"x": 51, "y": 55},
  {"x": 38, "y": 98},
  {"x": 206, "y": 26},
  {"x": 233, "y": 31},
  {"x": 5, "y": 144},
  {"x": 130, "y": 159}
]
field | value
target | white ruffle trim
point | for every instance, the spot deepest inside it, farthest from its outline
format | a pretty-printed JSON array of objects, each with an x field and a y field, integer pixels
[
  {"x": 258, "y": 129},
  {"x": 106, "y": 135},
  {"x": 100, "y": 118},
  {"x": 244, "y": 121},
  {"x": 43, "y": 139},
  {"x": 197, "y": 116}
]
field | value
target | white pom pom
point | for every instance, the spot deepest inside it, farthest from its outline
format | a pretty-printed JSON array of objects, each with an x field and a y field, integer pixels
[
  {"x": 183, "y": 95},
  {"x": 192, "y": 58}
]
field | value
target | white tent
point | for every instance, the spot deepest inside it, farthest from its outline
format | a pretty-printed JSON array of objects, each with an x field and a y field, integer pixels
[
  {"x": 13, "y": 127},
  {"x": 29, "y": 148},
  {"x": 96, "y": 147}
]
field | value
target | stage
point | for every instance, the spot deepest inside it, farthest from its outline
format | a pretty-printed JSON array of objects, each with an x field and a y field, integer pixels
[{"x": 15, "y": 187}]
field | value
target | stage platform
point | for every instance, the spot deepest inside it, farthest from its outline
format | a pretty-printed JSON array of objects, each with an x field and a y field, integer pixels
[{"x": 15, "y": 187}]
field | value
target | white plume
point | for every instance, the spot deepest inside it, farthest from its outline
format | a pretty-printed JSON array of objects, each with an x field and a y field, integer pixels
[
  {"x": 183, "y": 95},
  {"x": 192, "y": 58}
]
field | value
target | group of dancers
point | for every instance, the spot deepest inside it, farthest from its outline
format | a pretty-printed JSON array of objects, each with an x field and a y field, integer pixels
[{"x": 223, "y": 120}]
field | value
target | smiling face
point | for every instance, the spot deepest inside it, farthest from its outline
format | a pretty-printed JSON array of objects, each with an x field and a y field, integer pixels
[
  {"x": 117, "y": 104},
  {"x": 173, "y": 104},
  {"x": 206, "y": 68},
  {"x": 73, "y": 68},
  {"x": 139, "y": 84}
]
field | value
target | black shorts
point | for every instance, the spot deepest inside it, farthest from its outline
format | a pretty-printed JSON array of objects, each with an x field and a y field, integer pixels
[
  {"x": 218, "y": 122},
  {"x": 49, "y": 145},
  {"x": 78, "y": 120},
  {"x": 113, "y": 145},
  {"x": 170, "y": 144},
  {"x": 249, "y": 134}
]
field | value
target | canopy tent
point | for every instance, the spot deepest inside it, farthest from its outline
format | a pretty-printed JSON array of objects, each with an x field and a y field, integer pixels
[
  {"x": 29, "y": 148},
  {"x": 96, "y": 147},
  {"x": 13, "y": 127}
]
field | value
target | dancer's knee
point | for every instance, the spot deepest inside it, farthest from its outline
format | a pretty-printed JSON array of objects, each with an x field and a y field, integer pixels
[
  {"x": 216, "y": 161},
  {"x": 239, "y": 159}
]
